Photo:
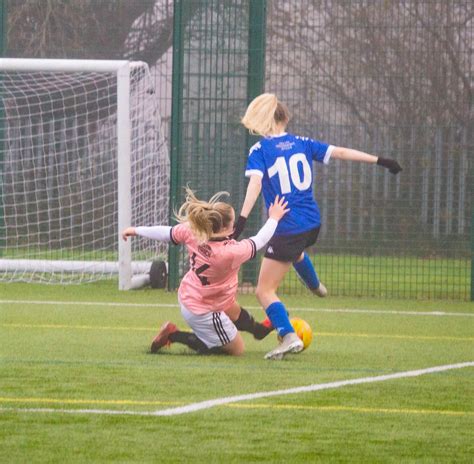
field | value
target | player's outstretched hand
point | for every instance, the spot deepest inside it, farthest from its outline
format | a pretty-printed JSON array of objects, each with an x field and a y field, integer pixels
[
  {"x": 390, "y": 164},
  {"x": 129, "y": 232},
  {"x": 278, "y": 208}
]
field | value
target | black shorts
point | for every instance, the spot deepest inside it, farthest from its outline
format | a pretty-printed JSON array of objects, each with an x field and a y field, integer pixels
[{"x": 288, "y": 248}]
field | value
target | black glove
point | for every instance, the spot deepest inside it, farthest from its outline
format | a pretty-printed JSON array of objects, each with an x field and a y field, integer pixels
[
  {"x": 390, "y": 164},
  {"x": 239, "y": 227}
]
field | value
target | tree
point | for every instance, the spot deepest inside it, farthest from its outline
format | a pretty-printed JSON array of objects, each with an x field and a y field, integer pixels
[
  {"x": 64, "y": 29},
  {"x": 93, "y": 29},
  {"x": 380, "y": 63}
]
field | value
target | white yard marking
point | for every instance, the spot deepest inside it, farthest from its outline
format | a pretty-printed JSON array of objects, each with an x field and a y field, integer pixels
[
  {"x": 199, "y": 406},
  {"x": 174, "y": 305},
  {"x": 383, "y": 311},
  {"x": 90, "y": 303}
]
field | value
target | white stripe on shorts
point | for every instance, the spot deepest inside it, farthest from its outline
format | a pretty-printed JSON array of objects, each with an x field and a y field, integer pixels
[
  {"x": 214, "y": 328},
  {"x": 216, "y": 320}
]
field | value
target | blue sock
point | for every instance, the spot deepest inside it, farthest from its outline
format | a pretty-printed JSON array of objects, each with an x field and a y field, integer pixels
[
  {"x": 306, "y": 271},
  {"x": 278, "y": 315}
]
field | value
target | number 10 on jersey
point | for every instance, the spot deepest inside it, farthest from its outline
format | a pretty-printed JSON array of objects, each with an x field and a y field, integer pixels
[{"x": 289, "y": 174}]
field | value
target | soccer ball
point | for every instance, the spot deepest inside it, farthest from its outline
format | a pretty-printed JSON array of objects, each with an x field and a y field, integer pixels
[{"x": 303, "y": 330}]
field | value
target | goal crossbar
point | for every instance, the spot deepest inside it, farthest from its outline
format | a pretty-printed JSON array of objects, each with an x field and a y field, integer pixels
[{"x": 61, "y": 65}]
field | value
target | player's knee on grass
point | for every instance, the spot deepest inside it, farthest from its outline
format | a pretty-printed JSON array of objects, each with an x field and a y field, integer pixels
[{"x": 236, "y": 347}]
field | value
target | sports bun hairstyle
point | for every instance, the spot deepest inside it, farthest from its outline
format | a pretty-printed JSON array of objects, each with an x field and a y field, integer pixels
[
  {"x": 206, "y": 218},
  {"x": 264, "y": 114}
]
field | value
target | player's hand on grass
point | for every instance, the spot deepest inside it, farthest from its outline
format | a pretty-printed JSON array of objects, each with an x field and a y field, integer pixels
[
  {"x": 129, "y": 232},
  {"x": 390, "y": 164},
  {"x": 278, "y": 208}
]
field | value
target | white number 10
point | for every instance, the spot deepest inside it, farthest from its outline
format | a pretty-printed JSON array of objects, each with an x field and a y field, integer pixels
[{"x": 280, "y": 168}]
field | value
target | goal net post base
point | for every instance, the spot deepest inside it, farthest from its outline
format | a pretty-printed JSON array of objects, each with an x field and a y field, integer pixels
[{"x": 144, "y": 273}]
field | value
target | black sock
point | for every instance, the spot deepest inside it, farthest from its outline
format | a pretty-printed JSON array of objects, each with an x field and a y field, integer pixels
[
  {"x": 189, "y": 339},
  {"x": 247, "y": 323},
  {"x": 192, "y": 341}
]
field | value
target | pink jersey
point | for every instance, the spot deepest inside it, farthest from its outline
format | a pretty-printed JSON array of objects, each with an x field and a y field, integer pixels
[{"x": 211, "y": 282}]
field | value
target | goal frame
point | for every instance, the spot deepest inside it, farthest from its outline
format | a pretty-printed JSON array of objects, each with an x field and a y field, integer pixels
[{"x": 121, "y": 68}]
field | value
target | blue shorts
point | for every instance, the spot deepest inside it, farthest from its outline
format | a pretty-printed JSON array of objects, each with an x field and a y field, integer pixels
[{"x": 288, "y": 248}]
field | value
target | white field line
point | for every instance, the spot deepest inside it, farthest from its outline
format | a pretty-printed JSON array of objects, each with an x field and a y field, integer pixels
[
  {"x": 173, "y": 305},
  {"x": 193, "y": 407},
  {"x": 90, "y": 303}
]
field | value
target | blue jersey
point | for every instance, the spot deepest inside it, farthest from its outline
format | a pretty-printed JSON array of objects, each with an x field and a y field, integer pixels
[{"x": 285, "y": 165}]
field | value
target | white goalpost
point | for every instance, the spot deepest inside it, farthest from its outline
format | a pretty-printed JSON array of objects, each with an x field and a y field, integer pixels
[{"x": 82, "y": 156}]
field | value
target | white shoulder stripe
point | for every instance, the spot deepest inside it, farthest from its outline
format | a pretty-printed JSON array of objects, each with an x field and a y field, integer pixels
[
  {"x": 254, "y": 147},
  {"x": 253, "y": 172},
  {"x": 327, "y": 156}
]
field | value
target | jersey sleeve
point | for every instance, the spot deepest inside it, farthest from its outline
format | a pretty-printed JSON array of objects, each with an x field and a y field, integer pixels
[
  {"x": 240, "y": 252},
  {"x": 320, "y": 151},
  {"x": 180, "y": 234},
  {"x": 255, "y": 162},
  {"x": 161, "y": 233}
]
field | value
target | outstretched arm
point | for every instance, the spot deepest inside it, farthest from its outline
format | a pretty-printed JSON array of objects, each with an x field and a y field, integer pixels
[
  {"x": 356, "y": 155},
  {"x": 253, "y": 191},
  {"x": 161, "y": 233},
  {"x": 353, "y": 155}
]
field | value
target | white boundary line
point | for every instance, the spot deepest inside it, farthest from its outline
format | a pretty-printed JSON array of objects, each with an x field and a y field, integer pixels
[
  {"x": 199, "y": 406},
  {"x": 173, "y": 305},
  {"x": 90, "y": 303}
]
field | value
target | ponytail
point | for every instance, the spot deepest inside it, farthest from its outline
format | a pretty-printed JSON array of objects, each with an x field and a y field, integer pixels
[
  {"x": 206, "y": 218},
  {"x": 264, "y": 114}
]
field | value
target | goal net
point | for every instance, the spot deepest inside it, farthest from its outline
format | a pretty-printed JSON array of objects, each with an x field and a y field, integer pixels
[{"x": 82, "y": 156}]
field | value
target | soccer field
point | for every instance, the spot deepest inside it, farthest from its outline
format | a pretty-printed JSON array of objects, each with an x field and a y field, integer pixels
[{"x": 78, "y": 385}]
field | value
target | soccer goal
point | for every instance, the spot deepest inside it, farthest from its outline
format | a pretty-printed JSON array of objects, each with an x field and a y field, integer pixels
[{"x": 82, "y": 156}]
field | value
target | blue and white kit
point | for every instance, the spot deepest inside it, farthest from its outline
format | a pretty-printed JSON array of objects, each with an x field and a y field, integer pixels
[{"x": 285, "y": 164}]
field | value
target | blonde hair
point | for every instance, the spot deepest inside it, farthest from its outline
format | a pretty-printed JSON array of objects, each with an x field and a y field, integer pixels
[
  {"x": 205, "y": 218},
  {"x": 264, "y": 114}
]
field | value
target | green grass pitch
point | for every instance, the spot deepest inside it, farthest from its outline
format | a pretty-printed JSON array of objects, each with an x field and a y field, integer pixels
[{"x": 65, "y": 349}]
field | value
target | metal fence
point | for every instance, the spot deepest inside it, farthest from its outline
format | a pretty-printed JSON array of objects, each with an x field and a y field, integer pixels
[{"x": 393, "y": 78}]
